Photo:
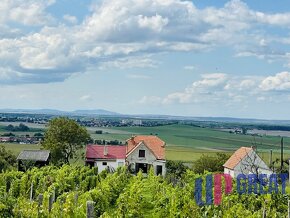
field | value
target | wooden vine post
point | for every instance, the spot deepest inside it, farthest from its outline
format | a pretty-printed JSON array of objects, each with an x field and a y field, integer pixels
[{"x": 90, "y": 209}]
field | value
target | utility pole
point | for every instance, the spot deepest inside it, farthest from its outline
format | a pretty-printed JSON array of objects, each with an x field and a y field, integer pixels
[
  {"x": 271, "y": 160},
  {"x": 282, "y": 147}
]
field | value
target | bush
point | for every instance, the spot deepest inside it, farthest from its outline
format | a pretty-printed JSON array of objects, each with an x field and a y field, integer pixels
[
  {"x": 7, "y": 159},
  {"x": 99, "y": 132},
  {"x": 210, "y": 163},
  {"x": 175, "y": 168}
]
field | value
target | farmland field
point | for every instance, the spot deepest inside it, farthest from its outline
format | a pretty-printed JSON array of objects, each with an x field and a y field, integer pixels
[
  {"x": 17, "y": 148},
  {"x": 186, "y": 143}
]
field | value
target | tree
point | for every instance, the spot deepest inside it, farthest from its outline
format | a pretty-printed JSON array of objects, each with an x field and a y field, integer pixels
[
  {"x": 244, "y": 130},
  {"x": 22, "y": 128},
  {"x": 64, "y": 137},
  {"x": 38, "y": 134},
  {"x": 99, "y": 132},
  {"x": 9, "y": 128},
  {"x": 7, "y": 159},
  {"x": 210, "y": 163},
  {"x": 175, "y": 168}
]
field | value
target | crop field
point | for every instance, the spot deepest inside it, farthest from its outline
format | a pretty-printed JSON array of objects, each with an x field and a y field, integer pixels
[
  {"x": 186, "y": 143},
  {"x": 17, "y": 148}
]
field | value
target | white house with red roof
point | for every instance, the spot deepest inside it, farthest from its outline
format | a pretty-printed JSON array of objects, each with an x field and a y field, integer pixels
[
  {"x": 144, "y": 152},
  {"x": 139, "y": 153},
  {"x": 106, "y": 156},
  {"x": 246, "y": 161}
]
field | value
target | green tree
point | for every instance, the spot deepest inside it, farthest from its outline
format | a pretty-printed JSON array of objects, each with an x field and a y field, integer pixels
[
  {"x": 64, "y": 137},
  {"x": 7, "y": 159},
  {"x": 175, "y": 168},
  {"x": 244, "y": 130},
  {"x": 38, "y": 134},
  {"x": 99, "y": 132},
  {"x": 210, "y": 163},
  {"x": 22, "y": 128}
]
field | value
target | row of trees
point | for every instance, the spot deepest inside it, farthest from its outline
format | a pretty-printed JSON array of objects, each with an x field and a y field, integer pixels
[{"x": 20, "y": 128}]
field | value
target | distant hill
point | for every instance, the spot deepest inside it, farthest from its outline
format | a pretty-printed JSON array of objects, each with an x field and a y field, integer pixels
[
  {"x": 95, "y": 112},
  {"x": 59, "y": 112},
  {"x": 102, "y": 112}
]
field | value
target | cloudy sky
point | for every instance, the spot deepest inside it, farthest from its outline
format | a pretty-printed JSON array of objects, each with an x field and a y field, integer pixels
[{"x": 199, "y": 58}]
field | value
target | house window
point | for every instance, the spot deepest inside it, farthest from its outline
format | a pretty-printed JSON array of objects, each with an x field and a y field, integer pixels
[
  {"x": 141, "y": 153},
  {"x": 104, "y": 163}
]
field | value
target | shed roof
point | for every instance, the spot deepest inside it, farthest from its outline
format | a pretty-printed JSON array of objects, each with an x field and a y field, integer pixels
[
  {"x": 235, "y": 159},
  {"x": 114, "y": 152},
  {"x": 36, "y": 155}
]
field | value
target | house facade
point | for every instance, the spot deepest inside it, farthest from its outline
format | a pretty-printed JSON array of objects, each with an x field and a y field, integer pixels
[
  {"x": 246, "y": 161},
  {"x": 106, "y": 156},
  {"x": 139, "y": 153},
  {"x": 144, "y": 152}
]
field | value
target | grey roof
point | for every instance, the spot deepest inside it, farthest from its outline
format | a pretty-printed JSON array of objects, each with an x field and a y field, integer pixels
[{"x": 37, "y": 155}]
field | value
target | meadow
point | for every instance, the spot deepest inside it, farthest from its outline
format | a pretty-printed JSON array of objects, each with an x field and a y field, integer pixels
[{"x": 187, "y": 143}]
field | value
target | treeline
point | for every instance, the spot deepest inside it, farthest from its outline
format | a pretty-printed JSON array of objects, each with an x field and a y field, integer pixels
[
  {"x": 277, "y": 128},
  {"x": 218, "y": 125},
  {"x": 106, "y": 142},
  {"x": 20, "y": 128}
]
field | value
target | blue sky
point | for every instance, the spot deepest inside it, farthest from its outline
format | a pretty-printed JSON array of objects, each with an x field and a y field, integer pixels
[{"x": 195, "y": 58}]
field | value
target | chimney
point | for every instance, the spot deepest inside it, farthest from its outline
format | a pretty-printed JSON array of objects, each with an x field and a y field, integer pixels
[
  {"x": 105, "y": 150},
  {"x": 132, "y": 139}
]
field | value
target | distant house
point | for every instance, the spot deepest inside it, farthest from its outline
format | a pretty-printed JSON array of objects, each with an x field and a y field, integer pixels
[
  {"x": 105, "y": 156},
  {"x": 245, "y": 160},
  {"x": 144, "y": 152},
  {"x": 139, "y": 154},
  {"x": 30, "y": 158}
]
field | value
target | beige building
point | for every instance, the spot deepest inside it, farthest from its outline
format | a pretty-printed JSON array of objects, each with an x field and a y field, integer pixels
[
  {"x": 246, "y": 161},
  {"x": 144, "y": 152}
]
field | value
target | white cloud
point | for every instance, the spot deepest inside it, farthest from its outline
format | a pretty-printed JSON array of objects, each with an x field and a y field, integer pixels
[
  {"x": 129, "y": 62},
  {"x": 28, "y": 12},
  {"x": 86, "y": 98},
  {"x": 155, "y": 23},
  {"x": 70, "y": 18},
  {"x": 279, "y": 82},
  {"x": 226, "y": 89},
  {"x": 150, "y": 100},
  {"x": 138, "y": 76},
  {"x": 125, "y": 34},
  {"x": 189, "y": 67},
  {"x": 209, "y": 85}
]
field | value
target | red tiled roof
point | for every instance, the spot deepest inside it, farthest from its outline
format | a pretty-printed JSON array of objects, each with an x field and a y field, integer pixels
[
  {"x": 155, "y": 144},
  {"x": 97, "y": 152},
  {"x": 239, "y": 154}
]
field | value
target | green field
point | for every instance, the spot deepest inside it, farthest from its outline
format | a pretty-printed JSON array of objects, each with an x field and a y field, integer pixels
[
  {"x": 187, "y": 143},
  {"x": 17, "y": 148}
]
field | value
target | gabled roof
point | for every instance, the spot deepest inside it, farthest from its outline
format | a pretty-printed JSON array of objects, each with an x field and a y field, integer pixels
[
  {"x": 114, "y": 152},
  {"x": 235, "y": 159},
  {"x": 136, "y": 147},
  {"x": 155, "y": 144},
  {"x": 35, "y": 155}
]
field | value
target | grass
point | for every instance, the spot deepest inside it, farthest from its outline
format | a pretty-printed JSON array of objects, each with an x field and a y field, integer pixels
[
  {"x": 187, "y": 143},
  {"x": 17, "y": 148},
  {"x": 205, "y": 138}
]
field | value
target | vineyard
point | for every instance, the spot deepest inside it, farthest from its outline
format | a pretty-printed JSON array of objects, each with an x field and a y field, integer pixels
[{"x": 65, "y": 191}]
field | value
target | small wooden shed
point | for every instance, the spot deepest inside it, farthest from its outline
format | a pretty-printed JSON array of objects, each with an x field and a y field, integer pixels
[{"x": 32, "y": 158}]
